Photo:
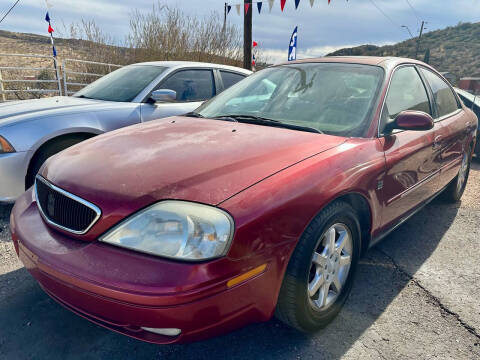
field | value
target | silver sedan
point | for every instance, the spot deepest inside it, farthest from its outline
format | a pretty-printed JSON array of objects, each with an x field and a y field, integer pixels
[{"x": 33, "y": 130}]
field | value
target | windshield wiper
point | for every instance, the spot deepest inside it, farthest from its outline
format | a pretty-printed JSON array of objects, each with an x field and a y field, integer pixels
[
  {"x": 269, "y": 122},
  {"x": 194, "y": 114}
]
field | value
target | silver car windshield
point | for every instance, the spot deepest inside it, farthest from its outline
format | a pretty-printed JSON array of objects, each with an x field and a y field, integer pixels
[
  {"x": 122, "y": 85},
  {"x": 332, "y": 98}
]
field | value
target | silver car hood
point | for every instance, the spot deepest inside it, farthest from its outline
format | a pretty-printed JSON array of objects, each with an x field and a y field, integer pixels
[{"x": 24, "y": 110}]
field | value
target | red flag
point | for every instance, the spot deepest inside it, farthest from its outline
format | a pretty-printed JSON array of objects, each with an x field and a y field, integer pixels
[
  {"x": 329, "y": 2},
  {"x": 282, "y": 3},
  {"x": 255, "y": 44},
  {"x": 50, "y": 29},
  {"x": 247, "y": 5}
]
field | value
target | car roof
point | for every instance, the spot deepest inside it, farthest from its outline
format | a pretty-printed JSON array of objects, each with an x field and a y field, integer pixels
[
  {"x": 190, "y": 64},
  {"x": 383, "y": 61}
]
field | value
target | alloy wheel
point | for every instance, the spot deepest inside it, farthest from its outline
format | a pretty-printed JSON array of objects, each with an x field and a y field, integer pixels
[
  {"x": 330, "y": 266},
  {"x": 462, "y": 174}
]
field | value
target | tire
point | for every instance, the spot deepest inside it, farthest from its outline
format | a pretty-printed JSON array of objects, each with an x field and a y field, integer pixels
[
  {"x": 45, "y": 152},
  {"x": 296, "y": 306},
  {"x": 454, "y": 191}
]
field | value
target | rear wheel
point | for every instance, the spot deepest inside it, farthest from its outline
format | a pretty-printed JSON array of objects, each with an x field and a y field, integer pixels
[
  {"x": 455, "y": 189},
  {"x": 319, "y": 276}
]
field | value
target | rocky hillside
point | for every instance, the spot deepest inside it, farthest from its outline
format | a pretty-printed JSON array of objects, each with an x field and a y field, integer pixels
[{"x": 455, "y": 49}]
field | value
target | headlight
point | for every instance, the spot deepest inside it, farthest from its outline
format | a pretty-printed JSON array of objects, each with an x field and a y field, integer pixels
[
  {"x": 5, "y": 146},
  {"x": 175, "y": 229}
]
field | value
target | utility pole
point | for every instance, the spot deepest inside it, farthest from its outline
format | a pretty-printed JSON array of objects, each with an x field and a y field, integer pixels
[
  {"x": 247, "y": 36},
  {"x": 419, "y": 39},
  {"x": 225, "y": 18}
]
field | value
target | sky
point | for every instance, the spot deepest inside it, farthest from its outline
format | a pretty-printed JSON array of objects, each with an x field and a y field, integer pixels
[{"x": 321, "y": 29}]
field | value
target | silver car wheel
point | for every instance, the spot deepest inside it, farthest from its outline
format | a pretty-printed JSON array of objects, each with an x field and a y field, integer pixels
[
  {"x": 330, "y": 266},
  {"x": 462, "y": 173}
]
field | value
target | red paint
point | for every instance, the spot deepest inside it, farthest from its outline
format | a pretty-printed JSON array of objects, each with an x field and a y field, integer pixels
[{"x": 272, "y": 181}]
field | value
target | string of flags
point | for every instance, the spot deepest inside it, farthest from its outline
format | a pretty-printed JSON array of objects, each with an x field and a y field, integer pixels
[
  {"x": 50, "y": 31},
  {"x": 271, "y": 3}
]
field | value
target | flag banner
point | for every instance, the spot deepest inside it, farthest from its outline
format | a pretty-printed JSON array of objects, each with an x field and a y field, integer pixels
[
  {"x": 282, "y": 4},
  {"x": 292, "y": 48},
  {"x": 255, "y": 44},
  {"x": 50, "y": 29},
  {"x": 328, "y": 2},
  {"x": 259, "y": 6},
  {"x": 270, "y": 5},
  {"x": 253, "y": 59},
  {"x": 47, "y": 17},
  {"x": 238, "y": 8},
  {"x": 296, "y": 4},
  {"x": 247, "y": 6},
  {"x": 49, "y": 6},
  {"x": 311, "y": 3},
  {"x": 229, "y": 7},
  {"x": 54, "y": 52}
]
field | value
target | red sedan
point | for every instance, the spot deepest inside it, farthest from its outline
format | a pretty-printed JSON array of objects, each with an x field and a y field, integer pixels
[{"x": 260, "y": 203}]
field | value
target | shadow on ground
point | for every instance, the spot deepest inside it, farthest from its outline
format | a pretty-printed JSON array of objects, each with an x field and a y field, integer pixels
[{"x": 34, "y": 326}]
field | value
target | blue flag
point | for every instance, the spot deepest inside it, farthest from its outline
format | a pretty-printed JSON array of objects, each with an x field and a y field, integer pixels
[
  {"x": 292, "y": 48},
  {"x": 259, "y": 7},
  {"x": 54, "y": 52},
  {"x": 228, "y": 9},
  {"x": 47, "y": 17}
]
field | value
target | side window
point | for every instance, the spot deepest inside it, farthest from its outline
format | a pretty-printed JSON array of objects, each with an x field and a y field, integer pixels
[
  {"x": 442, "y": 93},
  {"x": 191, "y": 85},
  {"x": 230, "y": 78},
  {"x": 406, "y": 92}
]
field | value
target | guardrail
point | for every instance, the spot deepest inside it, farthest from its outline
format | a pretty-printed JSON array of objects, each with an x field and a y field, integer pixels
[
  {"x": 92, "y": 70},
  {"x": 10, "y": 84}
]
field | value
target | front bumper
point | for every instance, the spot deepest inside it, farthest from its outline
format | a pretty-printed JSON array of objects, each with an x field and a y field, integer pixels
[
  {"x": 13, "y": 167},
  {"x": 125, "y": 291}
]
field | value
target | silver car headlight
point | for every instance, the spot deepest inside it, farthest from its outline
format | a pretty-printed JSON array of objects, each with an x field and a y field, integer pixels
[{"x": 175, "y": 229}]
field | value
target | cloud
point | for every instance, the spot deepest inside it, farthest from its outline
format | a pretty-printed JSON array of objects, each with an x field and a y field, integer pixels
[{"x": 321, "y": 28}]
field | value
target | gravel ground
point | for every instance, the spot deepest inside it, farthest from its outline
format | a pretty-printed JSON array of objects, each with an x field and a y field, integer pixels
[{"x": 417, "y": 295}]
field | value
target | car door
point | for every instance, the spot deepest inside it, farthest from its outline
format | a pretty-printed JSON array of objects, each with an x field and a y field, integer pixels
[
  {"x": 411, "y": 167},
  {"x": 452, "y": 137},
  {"x": 193, "y": 87}
]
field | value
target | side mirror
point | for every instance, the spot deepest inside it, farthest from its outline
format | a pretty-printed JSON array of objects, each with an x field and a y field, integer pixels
[
  {"x": 164, "y": 95},
  {"x": 413, "y": 120}
]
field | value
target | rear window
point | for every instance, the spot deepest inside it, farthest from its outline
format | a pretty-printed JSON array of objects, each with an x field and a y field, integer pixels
[
  {"x": 230, "y": 78},
  {"x": 444, "y": 98}
]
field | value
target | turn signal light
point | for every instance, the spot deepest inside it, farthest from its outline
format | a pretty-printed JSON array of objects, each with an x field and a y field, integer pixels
[{"x": 246, "y": 276}]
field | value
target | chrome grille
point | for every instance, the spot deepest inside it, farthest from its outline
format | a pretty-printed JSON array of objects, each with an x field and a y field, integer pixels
[{"x": 64, "y": 210}]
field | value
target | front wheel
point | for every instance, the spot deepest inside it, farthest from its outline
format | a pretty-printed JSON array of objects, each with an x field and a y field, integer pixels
[{"x": 320, "y": 273}]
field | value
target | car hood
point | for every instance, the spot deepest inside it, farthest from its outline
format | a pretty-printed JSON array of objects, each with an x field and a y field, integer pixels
[
  {"x": 18, "y": 111},
  {"x": 192, "y": 159}
]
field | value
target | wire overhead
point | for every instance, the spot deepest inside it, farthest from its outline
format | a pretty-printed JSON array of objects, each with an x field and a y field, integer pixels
[
  {"x": 385, "y": 14},
  {"x": 8, "y": 12},
  {"x": 413, "y": 10}
]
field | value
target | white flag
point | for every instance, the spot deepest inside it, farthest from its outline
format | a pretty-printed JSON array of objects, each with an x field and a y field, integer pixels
[
  {"x": 270, "y": 5},
  {"x": 238, "y": 8},
  {"x": 311, "y": 3},
  {"x": 49, "y": 6}
]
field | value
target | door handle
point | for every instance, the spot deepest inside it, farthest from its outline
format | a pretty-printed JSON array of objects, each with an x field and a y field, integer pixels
[{"x": 437, "y": 142}]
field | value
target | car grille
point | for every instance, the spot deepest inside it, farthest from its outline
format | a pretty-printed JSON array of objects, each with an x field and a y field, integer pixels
[{"x": 64, "y": 210}]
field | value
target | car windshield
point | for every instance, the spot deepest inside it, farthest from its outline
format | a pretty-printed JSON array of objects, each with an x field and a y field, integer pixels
[
  {"x": 122, "y": 85},
  {"x": 333, "y": 98}
]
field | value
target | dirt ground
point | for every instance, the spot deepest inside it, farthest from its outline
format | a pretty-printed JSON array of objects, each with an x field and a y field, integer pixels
[{"x": 417, "y": 295}]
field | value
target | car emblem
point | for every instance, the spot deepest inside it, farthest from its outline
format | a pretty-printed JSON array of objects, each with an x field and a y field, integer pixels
[{"x": 51, "y": 205}]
